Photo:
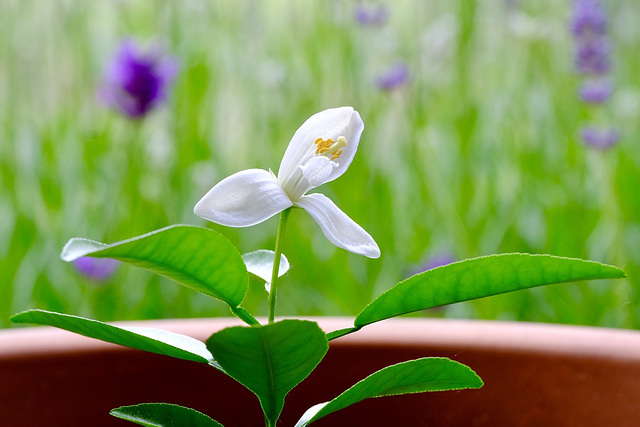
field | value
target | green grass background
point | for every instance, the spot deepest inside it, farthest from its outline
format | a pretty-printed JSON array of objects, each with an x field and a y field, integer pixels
[{"x": 478, "y": 153}]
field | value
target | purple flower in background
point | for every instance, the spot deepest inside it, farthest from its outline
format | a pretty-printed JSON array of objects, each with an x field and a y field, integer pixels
[
  {"x": 599, "y": 138},
  {"x": 593, "y": 56},
  {"x": 589, "y": 27},
  {"x": 136, "y": 81},
  {"x": 394, "y": 77},
  {"x": 595, "y": 91},
  {"x": 589, "y": 19},
  {"x": 97, "y": 269},
  {"x": 437, "y": 260},
  {"x": 372, "y": 15}
]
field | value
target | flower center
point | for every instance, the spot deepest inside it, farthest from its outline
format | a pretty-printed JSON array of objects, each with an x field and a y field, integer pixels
[
  {"x": 330, "y": 149},
  {"x": 317, "y": 169}
]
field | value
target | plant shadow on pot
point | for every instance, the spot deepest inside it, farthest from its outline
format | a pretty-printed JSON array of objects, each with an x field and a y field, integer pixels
[{"x": 534, "y": 375}]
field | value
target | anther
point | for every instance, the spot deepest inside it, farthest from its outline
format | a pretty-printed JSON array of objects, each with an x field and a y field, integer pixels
[{"x": 323, "y": 145}]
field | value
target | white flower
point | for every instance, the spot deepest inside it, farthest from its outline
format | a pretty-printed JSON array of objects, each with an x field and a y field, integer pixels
[{"x": 320, "y": 151}]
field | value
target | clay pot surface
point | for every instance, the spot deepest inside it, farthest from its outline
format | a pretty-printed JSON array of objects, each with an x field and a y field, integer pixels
[{"x": 534, "y": 374}]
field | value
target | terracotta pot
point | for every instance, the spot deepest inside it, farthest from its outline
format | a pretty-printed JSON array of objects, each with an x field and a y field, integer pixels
[{"x": 534, "y": 375}]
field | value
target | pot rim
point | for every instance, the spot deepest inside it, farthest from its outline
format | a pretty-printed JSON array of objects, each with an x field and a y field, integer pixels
[{"x": 598, "y": 342}]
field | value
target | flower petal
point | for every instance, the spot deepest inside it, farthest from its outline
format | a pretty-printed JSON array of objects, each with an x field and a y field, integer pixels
[
  {"x": 341, "y": 230},
  {"x": 317, "y": 170},
  {"x": 243, "y": 199},
  {"x": 327, "y": 124}
]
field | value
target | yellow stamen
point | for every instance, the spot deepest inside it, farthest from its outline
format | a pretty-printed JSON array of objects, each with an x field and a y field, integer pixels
[
  {"x": 331, "y": 149},
  {"x": 323, "y": 145}
]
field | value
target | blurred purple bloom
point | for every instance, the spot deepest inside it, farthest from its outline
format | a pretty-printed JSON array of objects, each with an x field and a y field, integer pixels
[
  {"x": 97, "y": 269},
  {"x": 438, "y": 261},
  {"x": 599, "y": 138},
  {"x": 136, "y": 81},
  {"x": 589, "y": 27},
  {"x": 372, "y": 15},
  {"x": 593, "y": 56},
  {"x": 589, "y": 19},
  {"x": 595, "y": 91},
  {"x": 434, "y": 261},
  {"x": 394, "y": 77}
]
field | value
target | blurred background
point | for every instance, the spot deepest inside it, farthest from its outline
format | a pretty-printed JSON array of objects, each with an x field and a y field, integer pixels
[{"x": 487, "y": 130}]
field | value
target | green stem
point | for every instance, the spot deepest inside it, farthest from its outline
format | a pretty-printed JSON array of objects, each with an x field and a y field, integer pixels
[{"x": 276, "y": 263}]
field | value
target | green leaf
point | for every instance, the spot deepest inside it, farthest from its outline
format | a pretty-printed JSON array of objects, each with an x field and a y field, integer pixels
[
  {"x": 163, "y": 415},
  {"x": 195, "y": 257},
  {"x": 414, "y": 376},
  {"x": 147, "y": 339},
  {"x": 477, "y": 278},
  {"x": 341, "y": 332},
  {"x": 260, "y": 264},
  {"x": 270, "y": 360}
]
